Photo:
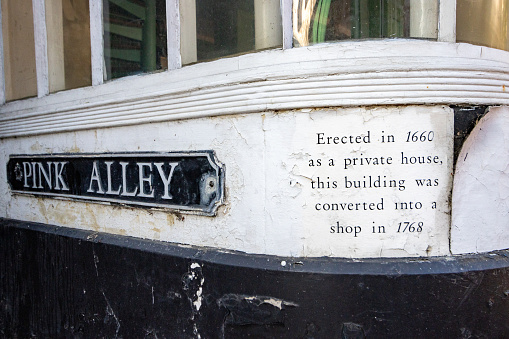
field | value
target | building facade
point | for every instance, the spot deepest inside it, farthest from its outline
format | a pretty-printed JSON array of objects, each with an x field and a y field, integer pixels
[{"x": 271, "y": 168}]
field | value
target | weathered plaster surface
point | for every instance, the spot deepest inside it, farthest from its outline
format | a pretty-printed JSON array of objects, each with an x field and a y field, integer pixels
[
  {"x": 237, "y": 141},
  {"x": 267, "y": 207},
  {"x": 480, "y": 199},
  {"x": 291, "y": 147}
]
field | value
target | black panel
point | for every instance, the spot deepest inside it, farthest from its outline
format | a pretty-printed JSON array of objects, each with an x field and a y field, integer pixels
[
  {"x": 465, "y": 119},
  {"x": 190, "y": 181},
  {"x": 59, "y": 282}
]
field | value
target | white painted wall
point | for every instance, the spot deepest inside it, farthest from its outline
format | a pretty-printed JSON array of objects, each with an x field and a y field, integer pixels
[
  {"x": 269, "y": 203},
  {"x": 238, "y": 142},
  {"x": 480, "y": 200}
]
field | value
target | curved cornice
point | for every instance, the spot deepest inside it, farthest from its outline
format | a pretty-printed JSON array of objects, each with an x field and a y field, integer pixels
[{"x": 387, "y": 72}]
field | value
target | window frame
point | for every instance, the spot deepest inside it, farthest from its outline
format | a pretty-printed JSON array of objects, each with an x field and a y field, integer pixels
[{"x": 446, "y": 33}]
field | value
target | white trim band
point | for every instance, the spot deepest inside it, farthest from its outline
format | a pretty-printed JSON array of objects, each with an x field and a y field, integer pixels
[{"x": 388, "y": 72}]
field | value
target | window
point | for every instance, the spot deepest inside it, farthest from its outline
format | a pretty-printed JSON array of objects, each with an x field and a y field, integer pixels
[
  {"x": 212, "y": 29},
  {"x": 19, "y": 49},
  {"x": 68, "y": 33},
  {"x": 134, "y": 37},
  {"x": 316, "y": 21},
  {"x": 489, "y": 29},
  {"x": 84, "y": 42}
]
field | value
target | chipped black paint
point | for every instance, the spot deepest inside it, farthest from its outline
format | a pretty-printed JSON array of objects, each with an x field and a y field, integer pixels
[
  {"x": 253, "y": 310},
  {"x": 187, "y": 182},
  {"x": 58, "y": 282},
  {"x": 465, "y": 119}
]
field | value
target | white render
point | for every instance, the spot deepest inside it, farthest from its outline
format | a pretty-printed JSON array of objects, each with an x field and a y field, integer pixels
[
  {"x": 480, "y": 215},
  {"x": 380, "y": 194},
  {"x": 265, "y": 210}
]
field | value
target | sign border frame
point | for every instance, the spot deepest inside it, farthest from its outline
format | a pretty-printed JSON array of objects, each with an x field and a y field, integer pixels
[{"x": 210, "y": 210}]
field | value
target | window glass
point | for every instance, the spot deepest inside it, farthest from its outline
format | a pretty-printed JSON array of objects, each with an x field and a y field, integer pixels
[
  {"x": 134, "y": 36},
  {"x": 316, "y": 21},
  {"x": 212, "y": 29},
  {"x": 19, "y": 49},
  {"x": 68, "y": 32},
  {"x": 483, "y": 22}
]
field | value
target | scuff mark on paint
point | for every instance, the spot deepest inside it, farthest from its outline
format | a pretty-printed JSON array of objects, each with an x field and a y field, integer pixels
[
  {"x": 193, "y": 282},
  {"x": 253, "y": 310}
]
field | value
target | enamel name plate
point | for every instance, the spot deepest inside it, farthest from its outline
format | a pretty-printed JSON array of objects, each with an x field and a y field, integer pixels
[{"x": 182, "y": 181}]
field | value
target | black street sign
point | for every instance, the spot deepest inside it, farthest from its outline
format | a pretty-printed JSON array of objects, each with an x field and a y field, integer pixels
[{"x": 181, "y": 181}]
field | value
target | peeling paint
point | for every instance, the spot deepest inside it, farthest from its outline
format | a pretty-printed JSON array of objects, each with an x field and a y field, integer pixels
[
  {"x": 170, "y": 219},
  {"x": 193, "y": 282},
  {"x": 271, "y": 301},
  {"x": 253, "y": 310},
  {"x": 266, "y": 209},
  {"x": 480, "y": 197},
  {"x": 73, "y": 149}
]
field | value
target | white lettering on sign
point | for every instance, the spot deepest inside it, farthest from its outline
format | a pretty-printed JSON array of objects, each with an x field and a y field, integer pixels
[
  {"x": 58, "y": 173},
  {"x": 145, "y": 179},
  {"x": 95, "y": 178},
  {"x": 183, "y": 181},
  {"x": 143, "y": 189},
  {"x": 39, "y": 175},
  {"x": 108, "y": 172},
  {"x": 124, "y": 182},
  {"x": 166, "y": 178},
  {"x": 375, "y": 183}
]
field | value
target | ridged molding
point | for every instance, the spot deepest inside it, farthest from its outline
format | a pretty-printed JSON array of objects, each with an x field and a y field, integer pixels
[{"x": 385, "y": 72}]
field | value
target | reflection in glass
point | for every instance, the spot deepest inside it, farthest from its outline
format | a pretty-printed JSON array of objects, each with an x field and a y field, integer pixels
[
  {"x": 483, "y": 22},
  {"x": 68, "y": 32},
  {"x": 18, "y": 49},
  {"x": 212, "y": 29},
  {"x": 316, "y": 21},
  {"x": 134, "y": 36}
]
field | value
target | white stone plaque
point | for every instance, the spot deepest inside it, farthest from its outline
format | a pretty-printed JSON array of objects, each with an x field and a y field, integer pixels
[{"x": 375, "y": 182}]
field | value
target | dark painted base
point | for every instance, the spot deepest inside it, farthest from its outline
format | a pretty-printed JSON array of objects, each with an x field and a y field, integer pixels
[{"x": 59, "y": 282}]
